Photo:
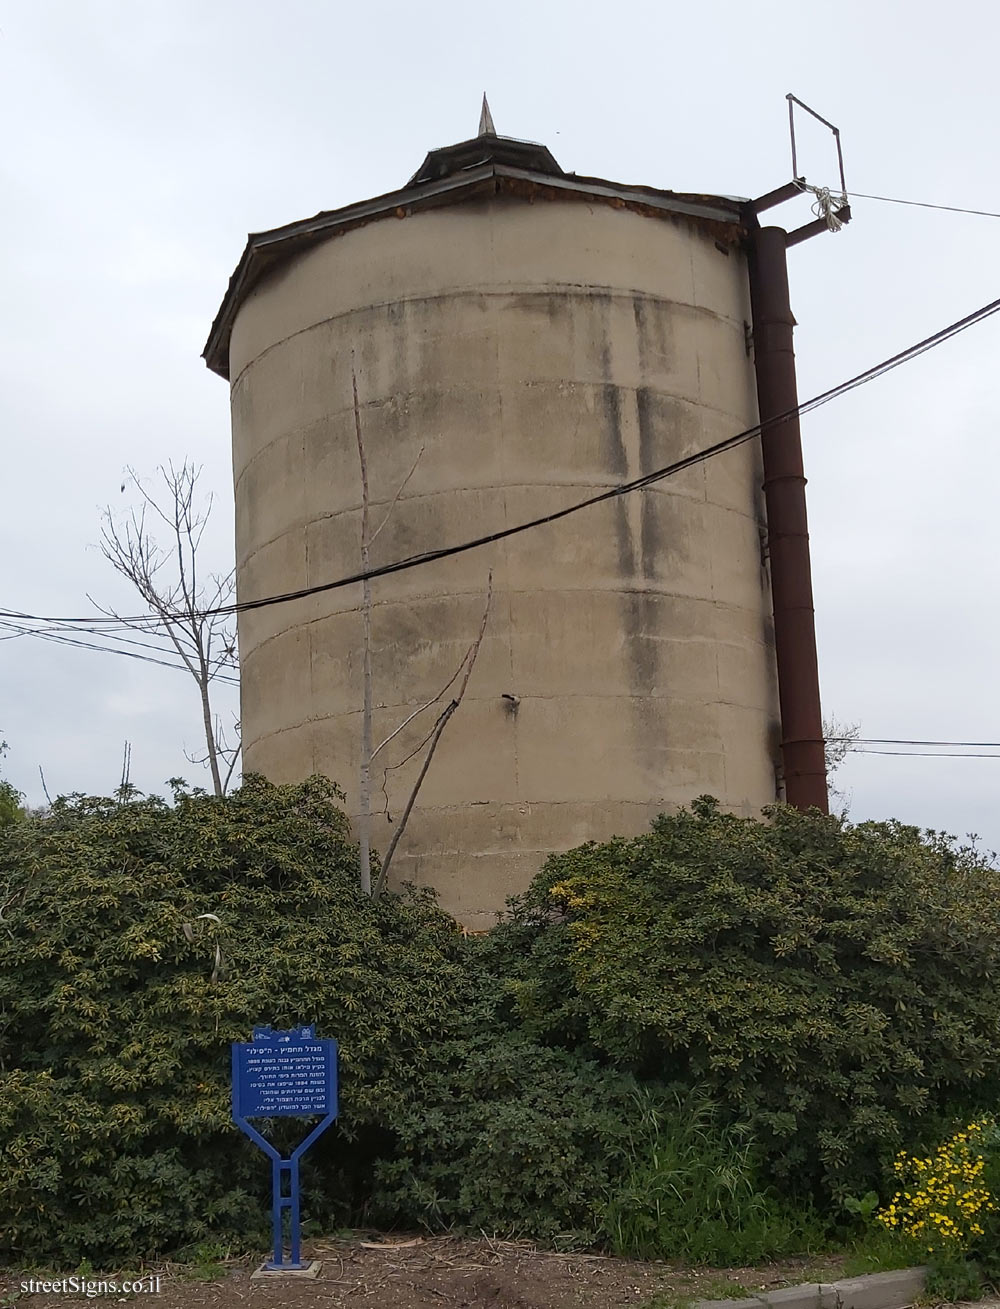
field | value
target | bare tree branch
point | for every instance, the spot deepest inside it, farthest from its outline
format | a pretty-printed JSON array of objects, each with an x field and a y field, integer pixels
[
  {"x": 227, "y": 754},
  {"x": 395, "y": 498},
  {"x": 234, "y": 755},
  {"x": 406, "y": 722},
  {"x": 401, "y": 763},
  {"x": 177, "y": 608},
  {"x": 417, "y": 712},
  {"x": 442, "y": 723},
  {"x": 365, "y": 781},
  {"x": 840, "y": 739}
]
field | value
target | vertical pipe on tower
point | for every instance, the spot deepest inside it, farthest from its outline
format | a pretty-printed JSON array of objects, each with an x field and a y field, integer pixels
[{"x": 802, "y": 746}]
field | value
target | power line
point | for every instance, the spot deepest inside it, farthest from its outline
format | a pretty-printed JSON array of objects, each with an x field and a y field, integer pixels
[
  {"x": 56, "y": 631},
  {"x": 923, "y": 204},
  {"x": 927, "y": 754},
  {"x": 894, "y": 200},
  {"x": 940, "y": 750},
  {"x": 894, "y": 740},
  {"x": 105, "y": 649},
  {"x": 107, "y": 624},
  {"x": 97, "y": 622},
  {"x": 624, "y": 488}
]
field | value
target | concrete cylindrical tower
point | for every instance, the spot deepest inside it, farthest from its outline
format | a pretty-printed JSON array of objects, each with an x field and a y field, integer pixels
[{"x": 540, "y": 337}]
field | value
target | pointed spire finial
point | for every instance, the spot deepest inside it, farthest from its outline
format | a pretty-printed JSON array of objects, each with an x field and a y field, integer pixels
[{"x": 486, "y": 127}]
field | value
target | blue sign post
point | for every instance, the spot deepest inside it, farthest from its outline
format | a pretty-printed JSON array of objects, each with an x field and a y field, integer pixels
[{"x": 289, "y": 1074}]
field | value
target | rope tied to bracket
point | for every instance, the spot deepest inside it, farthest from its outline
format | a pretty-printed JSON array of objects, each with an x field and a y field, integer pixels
[{"x": 825, "y": 205}]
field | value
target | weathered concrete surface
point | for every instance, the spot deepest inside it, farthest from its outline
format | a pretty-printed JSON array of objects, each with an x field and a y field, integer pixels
[
  {"x": 538, "y": 353},
  {"x": 892, "y": 1290},
  {"x": 881, "y": 1290},
  {"x": 815, "y": 1295}
]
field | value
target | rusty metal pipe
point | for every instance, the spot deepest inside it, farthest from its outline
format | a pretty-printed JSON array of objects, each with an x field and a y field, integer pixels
[
  {"x": 815, "y": 229},
  {"x": 802, "y": 746},
  {"x": 789, "y": 191}
]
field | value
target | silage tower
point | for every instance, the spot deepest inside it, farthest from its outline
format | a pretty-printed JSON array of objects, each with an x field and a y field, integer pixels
[{"x": 541, "y": 336}]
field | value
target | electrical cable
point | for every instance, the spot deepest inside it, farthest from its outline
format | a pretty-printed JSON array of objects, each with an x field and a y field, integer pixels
[
  {"x": 107, "y": 623},
  {"x": 922, "y": 204},
  {"x": 894, "y": 740},
  {"x": 927, "y": 754},
  {"x": 624, "y": 488},
  {"x": 943, "y": 749},
  {"x": 834, "y": 194},
  {"x": 59, "y": 630},
  {"x": 104, "y": 649}
]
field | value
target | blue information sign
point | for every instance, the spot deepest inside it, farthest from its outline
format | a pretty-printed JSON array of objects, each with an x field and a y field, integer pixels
[
  {"x": 284, "y": 1074},
  {"x": 290, "y": 1074}
]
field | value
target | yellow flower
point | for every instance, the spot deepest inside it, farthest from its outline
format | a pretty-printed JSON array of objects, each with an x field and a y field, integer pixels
[{"x": 951, "y": 1182}]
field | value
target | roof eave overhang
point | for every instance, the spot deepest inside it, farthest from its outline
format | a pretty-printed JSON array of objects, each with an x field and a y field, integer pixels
[{"x": 264, "y": 250}]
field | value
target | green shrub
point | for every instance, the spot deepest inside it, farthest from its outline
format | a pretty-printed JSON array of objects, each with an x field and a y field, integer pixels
[
  {"x": 10, "y": 799},
  {"x": 496, "y": 1132},
  {"x": 115, "y": 1027},
  {"x": 829, "y": 983},
  {"x": 828, "y": 988},
  {"x": 493, "y": 1132}
]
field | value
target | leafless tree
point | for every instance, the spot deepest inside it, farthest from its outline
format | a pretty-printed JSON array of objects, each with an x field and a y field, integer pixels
[
  {"x": 430, "y": 742},
  {"x": 839, "y": 740},
  {"x": 179, "y": 601}
]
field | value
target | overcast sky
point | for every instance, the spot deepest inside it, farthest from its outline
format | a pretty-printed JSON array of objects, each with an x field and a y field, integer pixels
[{"x": 142, "y": 140}]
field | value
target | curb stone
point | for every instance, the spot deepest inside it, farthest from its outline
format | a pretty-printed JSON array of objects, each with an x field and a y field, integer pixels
[{"x": 892, "y": 1290}]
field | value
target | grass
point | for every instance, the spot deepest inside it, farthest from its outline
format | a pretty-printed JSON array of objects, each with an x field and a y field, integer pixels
[
  {"x": 207, "y": 1263},
  {"x": 690, "y": 1192},
  {"x": 872, "y": 1254},
  {"x": 712, "y": 1285}
]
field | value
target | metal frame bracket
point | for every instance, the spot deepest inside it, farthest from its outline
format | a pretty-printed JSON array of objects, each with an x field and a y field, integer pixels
[{"x": 828, "y": 218}]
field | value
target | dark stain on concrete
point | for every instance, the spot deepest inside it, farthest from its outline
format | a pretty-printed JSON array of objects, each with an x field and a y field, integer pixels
[
  {"x": 553, "y": 305},
  {"x": 640, "y": 312},
  {"x": 651, "y": 541},
  {"x": 641, "y": 622},
  {"x": 653, "y": 329},
  {"x": 663, "y": 428},
  {"x": 608, "y": 401}
]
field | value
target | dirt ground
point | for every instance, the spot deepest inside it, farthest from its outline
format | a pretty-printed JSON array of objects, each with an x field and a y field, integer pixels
[{"x": 412, "y": 1272}]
